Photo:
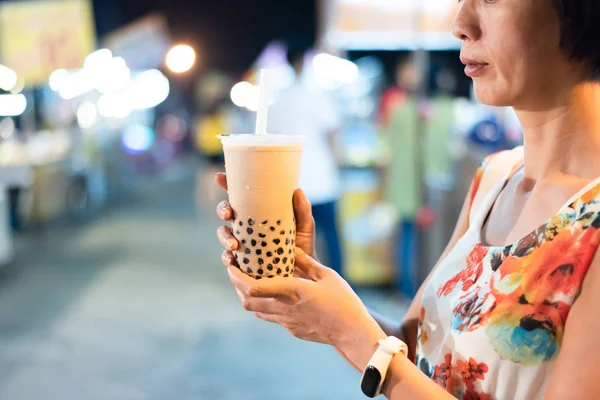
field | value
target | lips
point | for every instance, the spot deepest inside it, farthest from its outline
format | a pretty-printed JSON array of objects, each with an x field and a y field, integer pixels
[{"x": 473, "y": 68}]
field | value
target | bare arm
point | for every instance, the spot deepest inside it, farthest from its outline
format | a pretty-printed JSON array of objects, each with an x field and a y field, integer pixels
[
  {"x": 575, "y": 375},
  {"x": 404, "y": 379},
  {"x": 407, "y": 329}
]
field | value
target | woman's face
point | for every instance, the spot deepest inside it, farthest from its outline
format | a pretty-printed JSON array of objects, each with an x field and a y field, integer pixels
[{"x": 511, "y": 49}]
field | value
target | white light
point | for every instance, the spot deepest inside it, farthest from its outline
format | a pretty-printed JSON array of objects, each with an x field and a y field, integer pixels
[
  {"x": 240, "y": 93},
  {"x": 347, "y": 71},
  {"x": 115, "y": 76},
  {"x": 138, "y": 138},
  {"x": 181, "y": 58},
  {"x": 253, "y": 99},
  {"x": 87, "y": 115},
  {"x": 19, "y": 86},
  {"x": 12, "y": 105},
  {"x": 115, "y": 105},
  {"x": 7, "y": 128},
  {"x": 8, "y": 78},
  {"x": 148, "y": 89},
  {"x": 98, "y": 59},
  {"x": 330, "y": 67},
  {"x": 77, "y": 84},
  {"x": 57, "y": 78}
]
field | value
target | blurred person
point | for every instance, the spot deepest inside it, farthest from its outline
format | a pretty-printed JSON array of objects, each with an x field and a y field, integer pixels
[
  {"x": 510, "y": 310},
  {"x": 399, "y": 125},
  {"x": 303, "y": 111},
  {"x": 440, "y": 125}
]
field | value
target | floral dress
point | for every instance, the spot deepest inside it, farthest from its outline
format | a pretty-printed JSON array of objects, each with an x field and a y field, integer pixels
[{"x": 493, "y": 318}]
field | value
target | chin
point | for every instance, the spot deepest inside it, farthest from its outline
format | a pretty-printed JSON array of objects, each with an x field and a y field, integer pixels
[{"x": 491, "y": 95}]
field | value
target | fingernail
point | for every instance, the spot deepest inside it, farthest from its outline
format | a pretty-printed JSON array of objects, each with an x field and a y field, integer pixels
[{"x": 230, "y": 244}]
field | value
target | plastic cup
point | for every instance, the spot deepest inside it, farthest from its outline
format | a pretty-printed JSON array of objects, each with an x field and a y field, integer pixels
[{"x": 262, "y": 175}]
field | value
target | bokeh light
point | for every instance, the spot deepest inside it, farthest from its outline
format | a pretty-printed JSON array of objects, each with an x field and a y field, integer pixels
[
  {"x": 137, "y": 139},
  {"x": 181, "y": 58},
  {"x": 87, "y": 114}
]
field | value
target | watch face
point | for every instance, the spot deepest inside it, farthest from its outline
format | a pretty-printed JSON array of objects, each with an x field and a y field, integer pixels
[{"x": 370, "y": 382}]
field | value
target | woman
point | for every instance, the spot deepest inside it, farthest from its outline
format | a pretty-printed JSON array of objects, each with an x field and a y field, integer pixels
[{"x": 510, "y": 311}]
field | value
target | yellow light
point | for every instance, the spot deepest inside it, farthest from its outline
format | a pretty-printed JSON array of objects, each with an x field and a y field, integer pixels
[{"x": 181, "y": 58}]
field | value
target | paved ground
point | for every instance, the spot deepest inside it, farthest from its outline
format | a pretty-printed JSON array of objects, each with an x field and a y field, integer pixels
[{"x": 135, "y": 305}]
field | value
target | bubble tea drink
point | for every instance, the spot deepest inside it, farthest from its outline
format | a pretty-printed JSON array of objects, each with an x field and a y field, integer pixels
[{"x": 262, "y": 175}]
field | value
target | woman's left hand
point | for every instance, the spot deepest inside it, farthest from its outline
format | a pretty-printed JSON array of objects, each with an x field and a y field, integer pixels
[{"x": 319, "y": 307}]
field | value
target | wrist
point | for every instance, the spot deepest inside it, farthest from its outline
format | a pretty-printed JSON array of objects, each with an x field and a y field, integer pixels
[{"x": 359, "y": 345}]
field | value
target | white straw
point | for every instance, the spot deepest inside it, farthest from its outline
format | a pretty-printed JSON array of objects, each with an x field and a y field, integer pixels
[{"x": 263, "y": 102}]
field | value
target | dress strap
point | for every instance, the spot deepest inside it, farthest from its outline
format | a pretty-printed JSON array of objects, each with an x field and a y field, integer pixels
[{"x": 495, "y": 170}]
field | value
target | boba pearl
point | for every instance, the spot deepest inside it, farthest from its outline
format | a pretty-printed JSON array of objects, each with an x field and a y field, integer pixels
[
  {"x": 258, "y": 278},
  {"x": 250, "y": 231},
  {"x": 261, "y": 261},
  {"x": 264, "y": 222},
  {"x": 247, "y": 251},
  {"x": 270, "y": 267},
  {"x": 280, "y": 251},
  {"x": 279, "y": 271},
  {"x": 285, "y": 260},
  {"x": 282, "y": 233},
  {"x": 287, "y": 269},
  {"x": 263, "y": 244},
  {"x": 250, "y": 221},
  {"x": 241, "y": 223},
  {"x": 275, "y": 260},
  {"x": 258, "y": 252},
  {"x": 253, "y": 242},
  {"x": 269, "y": 254},
  {"x": 272, "y": 229},
  {"x": 290, "y": 251},
  {"x": 262, "y": 235},
  {"x": 246, "y": 261},
  {"x": 279, "y": 222},
  {"x": 260, "y": 271},
  {"x": 287, "y": 242},
  {"x": 276, "y": 241},
  {"x": 249, "y": 270},
  {"x": 286, "y": 276}
]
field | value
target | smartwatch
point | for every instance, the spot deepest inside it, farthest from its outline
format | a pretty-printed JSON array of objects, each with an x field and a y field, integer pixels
[{"x": 376, "y": 371}]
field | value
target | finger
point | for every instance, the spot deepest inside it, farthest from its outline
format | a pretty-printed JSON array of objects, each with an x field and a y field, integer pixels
[
  {"x": 309, "y": 267},
  {"x": 221, "y": 179},
  {"x": 224, "y": 211},
  {"x": 225, "y": 235},
  {"x": 229, "y": 260},
  {"x": 276, "y": 319},
  {"x": 264, "y": 306},
  {"x": 272, "y": 288},
  {"x": 303, "y": 211}
]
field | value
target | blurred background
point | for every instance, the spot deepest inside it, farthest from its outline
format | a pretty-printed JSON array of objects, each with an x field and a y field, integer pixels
[{"x": 111, "y": 285}]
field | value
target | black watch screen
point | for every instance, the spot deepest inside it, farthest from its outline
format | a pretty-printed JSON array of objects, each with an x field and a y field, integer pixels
[{"x": 371, "y": 381}]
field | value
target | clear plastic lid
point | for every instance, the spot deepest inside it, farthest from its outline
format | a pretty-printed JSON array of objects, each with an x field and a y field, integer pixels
[{"x": 262, "y": 140}]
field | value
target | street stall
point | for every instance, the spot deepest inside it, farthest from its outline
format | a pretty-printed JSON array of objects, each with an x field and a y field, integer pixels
[{"x": 419, "y": 27}]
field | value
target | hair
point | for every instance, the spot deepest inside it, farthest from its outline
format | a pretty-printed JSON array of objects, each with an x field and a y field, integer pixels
[{"x": 580, "y": 32}]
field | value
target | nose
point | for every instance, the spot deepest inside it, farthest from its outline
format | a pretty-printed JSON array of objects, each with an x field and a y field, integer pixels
[{"x": 466, "y": 25}]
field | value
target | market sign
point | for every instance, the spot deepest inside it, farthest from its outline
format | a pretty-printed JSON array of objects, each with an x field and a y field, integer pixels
[
  {"x": 39, "y": 37},
  {"x": 388, "y": 24}
]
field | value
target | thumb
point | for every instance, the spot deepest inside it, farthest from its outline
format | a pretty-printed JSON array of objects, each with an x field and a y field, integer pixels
[
  {"x": 311, "y": 268},
  {"x": 302, "y": 209}
]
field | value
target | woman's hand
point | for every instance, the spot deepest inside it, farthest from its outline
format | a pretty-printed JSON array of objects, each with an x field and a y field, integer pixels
[
  {"x": 305, "y": 224},
  {"x": 321, "y": 307}
]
